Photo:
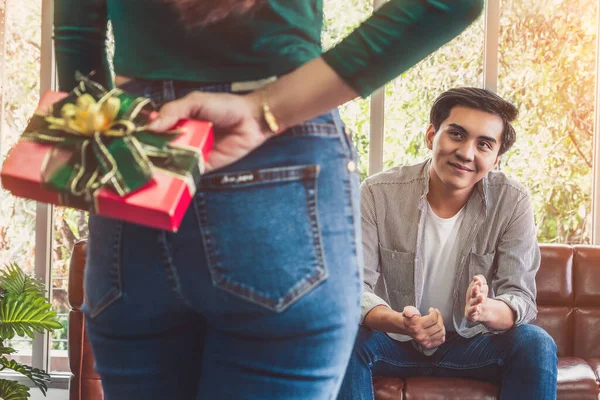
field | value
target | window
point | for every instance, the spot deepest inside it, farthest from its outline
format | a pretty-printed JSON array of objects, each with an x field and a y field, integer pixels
[
  {"x": 341, "y": 17},
  {"x": 547, "y": 67},
  {"x": 20, "y": 90}
]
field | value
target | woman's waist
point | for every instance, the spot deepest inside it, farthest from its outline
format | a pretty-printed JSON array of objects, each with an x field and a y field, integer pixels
[
  {"x": 188, "y": 72},
  {"x": 233, "y": 86},
  {"x": 160, "y": 91}
]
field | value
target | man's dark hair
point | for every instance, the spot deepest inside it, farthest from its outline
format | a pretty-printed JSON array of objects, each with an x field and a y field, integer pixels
[{"x": 479, "y": 99}]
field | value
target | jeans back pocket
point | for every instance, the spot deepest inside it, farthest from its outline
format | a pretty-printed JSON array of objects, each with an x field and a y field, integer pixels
[{"x": 261, "y": 233}]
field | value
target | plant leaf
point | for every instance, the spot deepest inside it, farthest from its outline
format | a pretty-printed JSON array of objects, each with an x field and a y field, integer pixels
[
  {"x": 39, "y": 377},
  {"x": 13, "y": 390},
  {"x": 6, "y": 350},
  {"x": 21, "y": 315},
  {"x": 16, "y": 282}
]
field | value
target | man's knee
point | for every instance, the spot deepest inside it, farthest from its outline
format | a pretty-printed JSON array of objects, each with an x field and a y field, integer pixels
[{"x": 533, "y": 340}]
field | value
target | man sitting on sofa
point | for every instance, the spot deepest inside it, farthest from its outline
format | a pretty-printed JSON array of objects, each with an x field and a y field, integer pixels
[{"x": 450, "y": 261}]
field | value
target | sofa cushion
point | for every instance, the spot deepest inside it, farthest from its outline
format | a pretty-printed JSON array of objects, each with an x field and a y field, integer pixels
[
  {"x": 449, "y": 389},
  {"x": 595, "y": 364},
  {"x": 554, "y": 280},
  {"x": 388, "y": 388},
  {"x": 76, "y": 268},
  {"x": 81, "y": 360},
  {"x": 75, "y": 348},
  {"x": 557, "y": 321},
  {"x": 576, "y": 380},
  {"x": 586, "y": 267},
  {"x": 586, "y": 337}
]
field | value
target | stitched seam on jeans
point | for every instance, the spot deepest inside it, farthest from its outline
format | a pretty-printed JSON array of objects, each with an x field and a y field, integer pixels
[
  {"x": 211, "y": 256},
  {"x": 355, "y": 228},
  {"x": 320, "y": 273},
  {"x": 372, "y": 384},
  {"x": 183, "y": 88},
  {"x": 303, "y": 286},
  {"x": 170, "y": 270},
  {"x": 470, "y": 366},
  {"x": 309, "y": 128},
  {"x": 168, "y": 91},
  {"x": 116, "y": 288},
  {"x": 398, "y": 363},
  {"x": 342, "y": 137}
]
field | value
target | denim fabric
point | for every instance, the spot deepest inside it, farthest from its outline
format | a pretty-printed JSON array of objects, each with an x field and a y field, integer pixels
[
  {"x": 257, "y": 296},
  {"x": 522, "y": 361}
]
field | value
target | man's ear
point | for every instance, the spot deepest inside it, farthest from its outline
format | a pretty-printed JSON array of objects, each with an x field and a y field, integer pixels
[
  {"x": 497, "y": 160},
  {"x": 429, "y": 135}
]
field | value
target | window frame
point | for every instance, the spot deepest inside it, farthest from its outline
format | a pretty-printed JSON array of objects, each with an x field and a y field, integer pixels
[
  {"x": 2, "y": 47},
  {"x": 44, "y": 216}
]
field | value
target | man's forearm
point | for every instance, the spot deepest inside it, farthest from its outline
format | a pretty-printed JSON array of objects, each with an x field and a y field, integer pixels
[
  {"x": 384, "y": 319},
  {"x": 498, "y": 315}
]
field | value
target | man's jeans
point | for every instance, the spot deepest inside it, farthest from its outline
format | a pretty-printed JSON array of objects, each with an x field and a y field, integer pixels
[
  {"x": 521, "y": 360},
  {"x": 257, "y": 296}
]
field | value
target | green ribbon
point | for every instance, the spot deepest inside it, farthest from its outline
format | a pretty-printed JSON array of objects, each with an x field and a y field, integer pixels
[{"x": 121, "y": 156}]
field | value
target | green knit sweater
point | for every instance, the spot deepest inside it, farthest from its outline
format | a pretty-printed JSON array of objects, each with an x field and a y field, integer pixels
[{"x": 151, "y": 43}]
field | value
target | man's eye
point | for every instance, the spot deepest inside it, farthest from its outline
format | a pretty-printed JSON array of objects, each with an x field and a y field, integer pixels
[
  {"x": 485, "y": 145},
  {"x": 455, "y": 134}
]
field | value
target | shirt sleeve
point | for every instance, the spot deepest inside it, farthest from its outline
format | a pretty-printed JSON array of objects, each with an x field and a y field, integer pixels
[
  {"x": 80, "y": 28},
  {"x": 370, "y": 240},
  {"x": 518, "y": 256},
  {"x": 397, "y": 36}
]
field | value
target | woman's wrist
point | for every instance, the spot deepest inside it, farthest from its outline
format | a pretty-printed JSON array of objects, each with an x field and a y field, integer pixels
[
  {"x": 309, "y": 91},
  {"x": 262, "y": 112}
]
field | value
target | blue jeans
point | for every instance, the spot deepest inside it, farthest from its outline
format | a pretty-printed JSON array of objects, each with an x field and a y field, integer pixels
[
  {"x": 521, "y": 360},
  {"x": 257, "y": 296}
]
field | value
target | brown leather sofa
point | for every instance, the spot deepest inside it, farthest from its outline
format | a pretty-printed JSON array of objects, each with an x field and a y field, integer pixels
[
  {"x": 85, "y": 383},
  {"x": 569, "y": 310},
  {"x": 568, "y": 299}
]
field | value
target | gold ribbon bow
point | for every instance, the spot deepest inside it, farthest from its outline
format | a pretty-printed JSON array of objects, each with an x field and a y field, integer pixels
[{"x": 88, "y": 117}]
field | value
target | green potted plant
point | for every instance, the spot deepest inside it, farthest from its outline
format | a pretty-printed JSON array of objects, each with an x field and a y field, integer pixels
[{"x": 24, "y": 309}]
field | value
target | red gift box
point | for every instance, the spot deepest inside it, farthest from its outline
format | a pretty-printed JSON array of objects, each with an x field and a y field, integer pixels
[{"x": 160, "y": 204}]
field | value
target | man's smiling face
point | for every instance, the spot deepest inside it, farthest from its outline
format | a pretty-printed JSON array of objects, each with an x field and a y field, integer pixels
[{"x": 465, "y": 147}]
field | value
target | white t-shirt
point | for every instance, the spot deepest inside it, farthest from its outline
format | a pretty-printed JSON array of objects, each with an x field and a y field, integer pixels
[{"x": 440, "y": 263}]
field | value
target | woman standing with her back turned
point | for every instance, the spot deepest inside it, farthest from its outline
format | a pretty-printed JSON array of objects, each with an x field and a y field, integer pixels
[{"x": 258, "y": 294}]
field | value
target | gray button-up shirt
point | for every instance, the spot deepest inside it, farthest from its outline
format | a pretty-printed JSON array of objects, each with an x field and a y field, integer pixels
[{"x": 497, "y": 239}]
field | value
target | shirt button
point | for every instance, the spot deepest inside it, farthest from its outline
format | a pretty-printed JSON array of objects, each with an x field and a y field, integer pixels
[{"x": 351, "y": 166}]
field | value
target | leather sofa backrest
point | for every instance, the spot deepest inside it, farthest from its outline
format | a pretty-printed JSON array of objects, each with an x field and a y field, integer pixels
[
  {"x": 85, "y": 383},
  {"x": 568, "y": 298},
  {"x": 586, "y": 312}
]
